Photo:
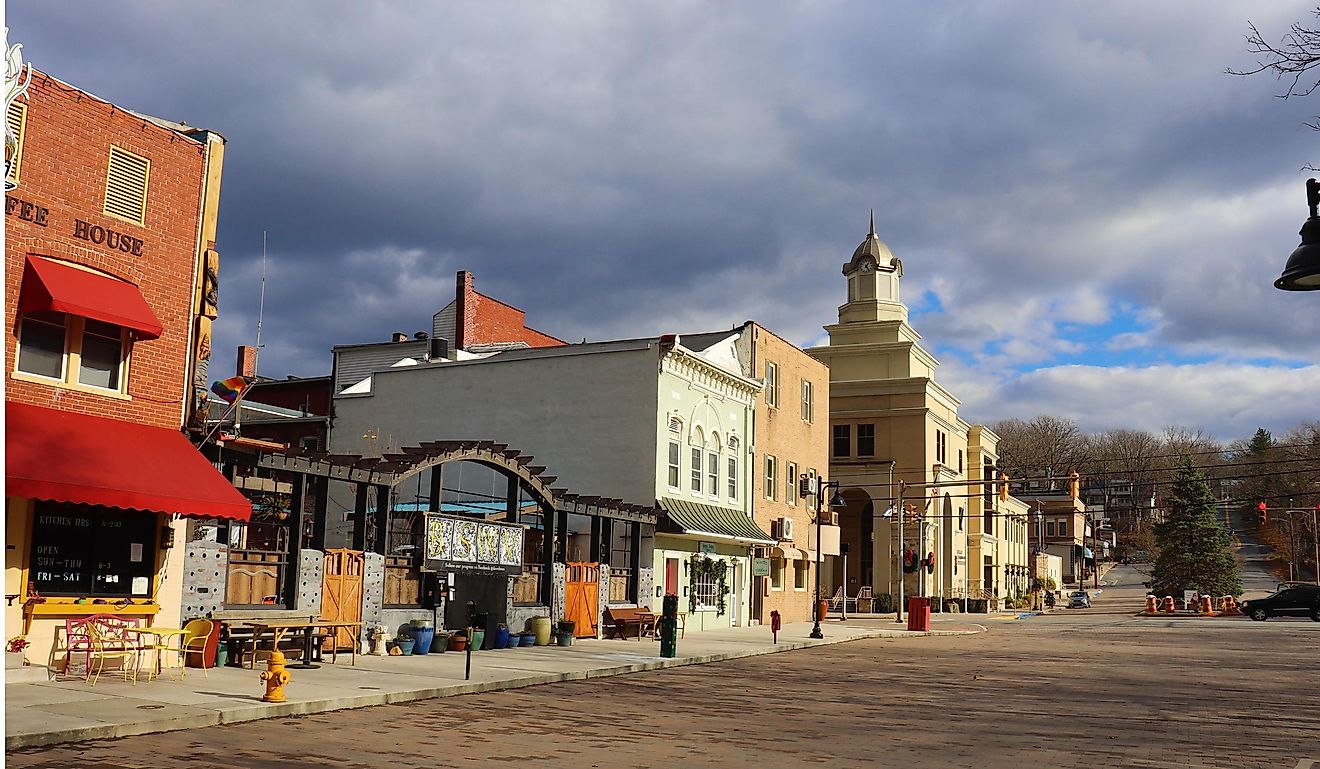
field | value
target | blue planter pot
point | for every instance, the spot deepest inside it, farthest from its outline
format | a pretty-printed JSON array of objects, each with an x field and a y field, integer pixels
[
  {"x": 405, "y": 645},
  {"x": 527, "y": 639},
  {"x": 501, "y": 638},
  {"x": 422, "y": 636}
]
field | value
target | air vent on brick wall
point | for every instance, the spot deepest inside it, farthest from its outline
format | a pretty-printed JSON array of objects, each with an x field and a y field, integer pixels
[
  {"x": 17, "y": 119},
  {"x": 126, "y": 186}
]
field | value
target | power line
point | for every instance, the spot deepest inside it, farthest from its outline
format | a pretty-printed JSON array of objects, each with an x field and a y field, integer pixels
[{"x": 1176, "y": 455}]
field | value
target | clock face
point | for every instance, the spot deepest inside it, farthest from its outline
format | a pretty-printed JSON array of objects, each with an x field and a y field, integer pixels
[{"x": 866, "y": 265}]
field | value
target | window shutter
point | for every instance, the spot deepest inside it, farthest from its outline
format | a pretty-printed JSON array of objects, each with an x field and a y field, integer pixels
[
  {"x": 126, "y": 186},
  {"x": 17, "y": 122}
]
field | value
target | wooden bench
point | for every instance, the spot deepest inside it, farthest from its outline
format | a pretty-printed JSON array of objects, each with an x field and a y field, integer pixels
[{"x": 621, "y": 619}]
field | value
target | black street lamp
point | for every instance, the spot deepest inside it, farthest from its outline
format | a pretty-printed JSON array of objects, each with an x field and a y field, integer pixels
[
  {"x": 836, "y": 503},
  {"x": 1302, "y": 273}
]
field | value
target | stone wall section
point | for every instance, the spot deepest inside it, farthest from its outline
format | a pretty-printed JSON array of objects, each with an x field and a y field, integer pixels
[
  {"x": 205, "y": 570},
  {"x": 311, "y": 570}
]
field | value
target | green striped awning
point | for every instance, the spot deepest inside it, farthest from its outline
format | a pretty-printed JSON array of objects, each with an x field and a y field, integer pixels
[{"x": 698, "y": 520}]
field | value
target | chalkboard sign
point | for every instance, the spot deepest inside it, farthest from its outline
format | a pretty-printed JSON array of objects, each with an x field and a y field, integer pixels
[{"x": 81, "y": 550}]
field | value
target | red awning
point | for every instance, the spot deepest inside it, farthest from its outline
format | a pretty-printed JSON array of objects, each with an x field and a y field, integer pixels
[
  {"x": 50, "y": 285},
  {"x": 65, "y": 457}
]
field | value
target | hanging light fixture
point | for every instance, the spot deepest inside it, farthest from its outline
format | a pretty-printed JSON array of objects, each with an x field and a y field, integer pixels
[{"x": 1302, "y": 272}]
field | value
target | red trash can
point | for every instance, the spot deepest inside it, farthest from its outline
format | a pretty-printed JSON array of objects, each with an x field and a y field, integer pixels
[{"x": 918, "y": 614}]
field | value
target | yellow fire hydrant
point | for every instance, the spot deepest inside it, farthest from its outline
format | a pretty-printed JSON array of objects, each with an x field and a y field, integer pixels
[{"x": 275, "y": 677}]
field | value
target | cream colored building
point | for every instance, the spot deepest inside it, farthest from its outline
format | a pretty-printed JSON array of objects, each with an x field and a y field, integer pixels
[
  {"x": 892, "y": 423},
  {"x": 998, "y": 535}
]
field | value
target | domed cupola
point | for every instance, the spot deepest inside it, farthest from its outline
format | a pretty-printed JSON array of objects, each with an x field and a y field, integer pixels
[{"x": 873, "y": 276}]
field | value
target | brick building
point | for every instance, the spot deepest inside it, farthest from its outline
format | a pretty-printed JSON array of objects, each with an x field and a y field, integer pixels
[{"x": 110, "y": 279}]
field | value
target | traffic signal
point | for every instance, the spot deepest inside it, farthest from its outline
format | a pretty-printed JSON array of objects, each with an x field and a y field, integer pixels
[
  {"x": 804, "y": 486},
  {"x": 1264, "y": 513}
]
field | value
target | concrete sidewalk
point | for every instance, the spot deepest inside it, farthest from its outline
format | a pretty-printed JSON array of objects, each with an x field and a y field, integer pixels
[{"x": 49, "y": 712}]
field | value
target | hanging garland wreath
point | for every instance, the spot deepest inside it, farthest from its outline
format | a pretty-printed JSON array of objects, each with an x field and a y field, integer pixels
[{"x": 717, "y": 570}]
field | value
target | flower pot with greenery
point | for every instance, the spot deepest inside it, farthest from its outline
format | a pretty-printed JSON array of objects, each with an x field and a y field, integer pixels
[{"x": 404, "y": 643}]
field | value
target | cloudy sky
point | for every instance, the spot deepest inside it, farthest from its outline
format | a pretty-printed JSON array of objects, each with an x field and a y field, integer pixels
[{"x": 1089, "y": 211}]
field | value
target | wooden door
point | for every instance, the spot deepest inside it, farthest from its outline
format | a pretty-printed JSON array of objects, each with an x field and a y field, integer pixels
[
  {"x": 582, "y": 597},
  {"x": 341, "y": 594},
  {"x": 671, "y": 576}
]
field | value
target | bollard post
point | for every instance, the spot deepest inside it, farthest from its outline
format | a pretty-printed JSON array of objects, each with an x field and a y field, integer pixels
[
  {"x": 669, "y": 627},
  {"x": 774, "y": 626},
  {"x": 467, "y": 669}
]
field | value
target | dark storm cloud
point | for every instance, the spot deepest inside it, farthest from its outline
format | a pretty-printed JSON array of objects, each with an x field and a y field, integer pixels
[{"x": 619, "y": 170}]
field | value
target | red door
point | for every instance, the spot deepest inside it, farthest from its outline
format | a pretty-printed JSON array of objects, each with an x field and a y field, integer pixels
[{"x": 671, "y": 576}]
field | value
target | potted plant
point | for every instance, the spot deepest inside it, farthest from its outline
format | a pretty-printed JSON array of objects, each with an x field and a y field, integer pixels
[
  {"x": 527, "y": 638},
  {"x": 478, "y": 638},
  {"x": 564, "y": 633},
  {"x": 440, "y": 643},
  {"x": 501, "y": 637},
  {"x": 458, "y": 641},
  {"x": 404, "y": 643}
]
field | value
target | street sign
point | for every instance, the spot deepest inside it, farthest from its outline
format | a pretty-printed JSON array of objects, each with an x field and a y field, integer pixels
[
  {"x": 760, "y": 567},
  {"x": 707, "y": 548}
]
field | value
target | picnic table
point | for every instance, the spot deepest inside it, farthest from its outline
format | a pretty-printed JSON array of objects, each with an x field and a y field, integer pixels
[{"x": 278, "y": 630}]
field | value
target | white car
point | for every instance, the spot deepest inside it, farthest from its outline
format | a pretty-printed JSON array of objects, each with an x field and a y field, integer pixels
[{"x": 1079, "y": 599}]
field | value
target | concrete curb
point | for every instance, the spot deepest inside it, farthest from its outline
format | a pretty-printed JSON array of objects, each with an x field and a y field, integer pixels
[{"x": 202, "y": 717}]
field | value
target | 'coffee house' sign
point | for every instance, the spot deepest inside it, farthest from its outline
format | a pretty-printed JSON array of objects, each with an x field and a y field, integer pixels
[{"x": 93, "y": 233}]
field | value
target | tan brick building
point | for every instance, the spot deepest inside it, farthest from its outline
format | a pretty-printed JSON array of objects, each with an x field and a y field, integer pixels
[{"x": 791, "y": 439}]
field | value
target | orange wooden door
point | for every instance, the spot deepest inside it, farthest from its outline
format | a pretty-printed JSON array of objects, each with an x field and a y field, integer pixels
[
  {"x": 341, "y": 593},
  {"x": 582, "y": 597}
]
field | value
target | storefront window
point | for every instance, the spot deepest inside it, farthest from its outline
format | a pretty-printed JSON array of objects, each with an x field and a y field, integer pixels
[
  {"x": 621, "y": 563},
  {"x": 83, "y": 550}
]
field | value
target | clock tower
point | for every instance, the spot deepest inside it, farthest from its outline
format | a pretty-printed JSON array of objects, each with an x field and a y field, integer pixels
[{"x": 873, "y": 275}]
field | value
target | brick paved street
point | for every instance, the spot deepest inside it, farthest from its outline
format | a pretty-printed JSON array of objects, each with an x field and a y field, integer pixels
[{"x": 1081, "y": 690}]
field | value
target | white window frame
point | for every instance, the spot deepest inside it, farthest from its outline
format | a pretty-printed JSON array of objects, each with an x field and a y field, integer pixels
[
  {"x": 713, "y": 474},
  {"x": 772, "y": 384},
  {"x": 703, "y": 588},
  {"x": 696, "y": 453},
  {"x": 807, "y": 400},
  {"x": 790, "y": 484},
  {"x": 675, "y": 462},
  {"x": 777, "y": 573},
  {"x": 733, "y": 477},
  {"x": 771, "y": 476},
  {"x": 71, "y": 358},
  {"x": 801, "y": 576}
]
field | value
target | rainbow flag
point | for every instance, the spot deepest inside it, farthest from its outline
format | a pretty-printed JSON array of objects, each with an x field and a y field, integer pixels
[{"x": 230, "y": 389}]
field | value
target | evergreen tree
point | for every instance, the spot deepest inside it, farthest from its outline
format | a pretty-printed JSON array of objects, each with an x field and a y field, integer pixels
[{"x": 1195, "y": 548}]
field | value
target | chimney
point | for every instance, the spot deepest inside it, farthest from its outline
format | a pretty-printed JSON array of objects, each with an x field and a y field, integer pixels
[
  {"x": 247, "y": 361},
  {"x": 398, "y": 336},
  {"x": 465, "y": 315}
]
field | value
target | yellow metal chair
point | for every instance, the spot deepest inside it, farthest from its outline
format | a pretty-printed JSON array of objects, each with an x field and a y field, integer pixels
[
  {"x": 194, "y": 642},
  {"x": 110, "y": 642}
]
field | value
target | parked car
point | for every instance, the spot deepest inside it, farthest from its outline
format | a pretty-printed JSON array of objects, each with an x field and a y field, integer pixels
[
  {"x": 1079, "y": 599},
  {"x": 1288, "y": 601}
]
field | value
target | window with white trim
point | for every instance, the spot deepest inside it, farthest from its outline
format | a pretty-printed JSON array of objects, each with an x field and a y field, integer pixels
[
  {"x": 733, "y": 477},
  {"x": 713, "y": 474},
  {"x": 800, "y": 567},
  {"x": 73, "y": 350},
  {"x": 675, "y": 452},
  {"x": 771, "y": 384},
  {"x": 771, "y": 477},
  {"x": 807, "y": 400},
  {"x": 706, "y": 591},
  {"x": 790, "y": 484},
  {"x": 696, "y": 469},
  {"x": 777, "y": 573}
]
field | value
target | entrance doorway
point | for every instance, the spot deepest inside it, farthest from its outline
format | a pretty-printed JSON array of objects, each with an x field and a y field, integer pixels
[
  {"x": 341, "y": 594},
  {"x": 582, "y": 597}
]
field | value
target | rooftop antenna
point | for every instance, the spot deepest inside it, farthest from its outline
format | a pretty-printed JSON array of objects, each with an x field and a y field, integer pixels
[{"x": 261, "y": 305}]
